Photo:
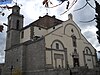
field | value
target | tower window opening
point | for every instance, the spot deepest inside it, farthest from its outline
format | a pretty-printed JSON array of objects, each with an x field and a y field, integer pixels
[
  {"x": 17, "y": 11},
  {"x": 17, "y": 24}
]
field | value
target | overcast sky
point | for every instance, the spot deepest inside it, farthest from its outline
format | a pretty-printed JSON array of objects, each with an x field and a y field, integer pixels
[{"x": 32, "y": 9}]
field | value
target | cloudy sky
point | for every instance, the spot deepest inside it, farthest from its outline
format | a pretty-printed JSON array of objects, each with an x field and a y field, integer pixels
[{"x": 32, "y": 9}]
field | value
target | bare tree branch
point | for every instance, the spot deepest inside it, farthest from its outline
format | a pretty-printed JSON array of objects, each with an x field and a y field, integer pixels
[
  {"x": 87, "y": 3},
  {"x": 88, "y": 21},
  {"x": 73, "y": 3},
  {"x": 81, "y": 7}
]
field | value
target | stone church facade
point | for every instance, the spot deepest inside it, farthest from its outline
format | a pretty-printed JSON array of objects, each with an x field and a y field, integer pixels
[{"x": 45, "y": 45}]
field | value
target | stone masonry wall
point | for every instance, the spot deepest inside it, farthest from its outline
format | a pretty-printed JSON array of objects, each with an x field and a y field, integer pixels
[{"x": 34, "y": 57}]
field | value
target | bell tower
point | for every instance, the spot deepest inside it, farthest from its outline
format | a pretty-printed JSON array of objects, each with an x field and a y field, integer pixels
[{"x": 15, "y": 23}]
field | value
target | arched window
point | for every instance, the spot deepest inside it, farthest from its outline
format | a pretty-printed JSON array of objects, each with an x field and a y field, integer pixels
[
  {"x": 17, "y": 24},
  {"x": 74, "y": 41},
  {"x": 57, "y": 45},
  {"x": 87, "y": 51}
]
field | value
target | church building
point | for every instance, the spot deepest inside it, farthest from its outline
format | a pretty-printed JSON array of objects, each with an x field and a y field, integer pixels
[{"x": 46, "y": 44}]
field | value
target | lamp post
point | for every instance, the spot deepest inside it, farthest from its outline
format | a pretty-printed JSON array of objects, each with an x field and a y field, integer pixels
[{"x": 11, "y": 69}]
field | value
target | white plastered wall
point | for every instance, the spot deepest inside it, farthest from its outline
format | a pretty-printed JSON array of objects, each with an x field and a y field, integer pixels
[
  {"x": 26, "y": 35},
  {"x": 64, "y": 35}
]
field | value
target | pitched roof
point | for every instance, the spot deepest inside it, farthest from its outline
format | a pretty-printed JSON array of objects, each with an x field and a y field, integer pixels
[{"x": 46, "y": 22}]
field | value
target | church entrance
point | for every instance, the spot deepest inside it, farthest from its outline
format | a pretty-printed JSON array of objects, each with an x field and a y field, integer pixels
[
  {"x": 59, "y": 63},
  {"x": 59, "y": 60},
  {"x": 75, "y": 62}
]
